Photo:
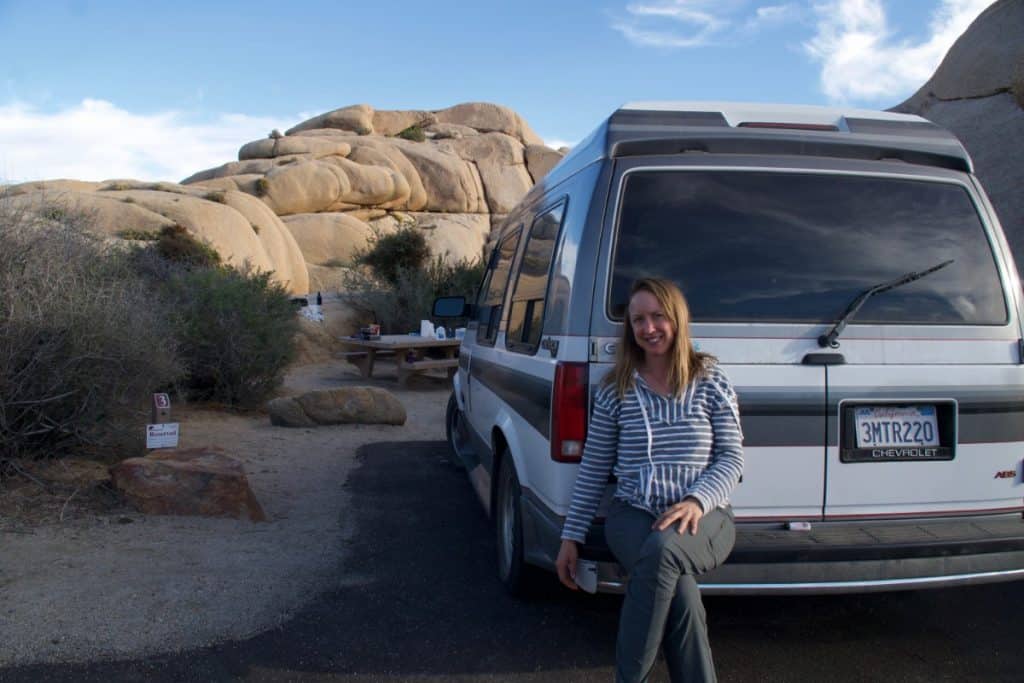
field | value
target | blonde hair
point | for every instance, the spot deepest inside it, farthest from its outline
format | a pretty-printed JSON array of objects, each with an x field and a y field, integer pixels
[{"x": 685, "y": 363}]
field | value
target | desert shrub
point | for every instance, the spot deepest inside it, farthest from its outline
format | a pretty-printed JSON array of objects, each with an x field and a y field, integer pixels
[
  {"x": 414, "y": 133},
  {"x": 139, "y": 235},
  {"x": 81, "y": 343},
  {"x": 235, "y": 330},
  {"x": 217, "y": 196},
  {"x": 262, "y": 187},
  {"x": 399, "y": 305},
  {"x": 177, "y": 245},
  {"x": 387, "y": 255}
]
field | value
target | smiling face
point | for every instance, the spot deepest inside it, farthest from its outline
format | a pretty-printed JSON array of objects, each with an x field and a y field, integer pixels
[{"x": 652, "y": 329}]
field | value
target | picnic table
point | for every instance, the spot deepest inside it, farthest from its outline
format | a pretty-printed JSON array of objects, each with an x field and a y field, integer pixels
[{"x": 409, "y": 351}]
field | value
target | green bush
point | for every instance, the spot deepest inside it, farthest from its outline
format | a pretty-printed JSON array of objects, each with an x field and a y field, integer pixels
[
  {"x": 262, "y": 187},
  {"x": 399, "y": 305},
  {"x": 82, "y": 344},
  {"x": 139, "y": 235},
  {"x": 388, "y": 255},
  {"x": 414, "y": 133},
  {"x": 177, "y": 245},
  {"x": 235, "y": 330}
]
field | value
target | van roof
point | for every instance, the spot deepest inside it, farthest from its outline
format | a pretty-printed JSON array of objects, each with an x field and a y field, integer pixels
[{"x": 643, "y": 128}]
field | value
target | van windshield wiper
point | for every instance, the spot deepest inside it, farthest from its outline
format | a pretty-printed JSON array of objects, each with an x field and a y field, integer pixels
[{"x": 829, "y": 340}]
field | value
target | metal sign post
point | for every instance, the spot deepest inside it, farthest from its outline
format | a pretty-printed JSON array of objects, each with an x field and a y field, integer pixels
[{"x": 161, "y": 433}]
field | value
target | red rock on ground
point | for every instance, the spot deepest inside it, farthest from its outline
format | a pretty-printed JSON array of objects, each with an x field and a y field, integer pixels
[{"x": 188, "y": 481}]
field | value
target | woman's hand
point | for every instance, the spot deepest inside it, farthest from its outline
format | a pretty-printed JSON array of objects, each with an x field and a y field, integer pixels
[
  {"x": 568, "y": 553},
  {"x": 687, "y": 513}
]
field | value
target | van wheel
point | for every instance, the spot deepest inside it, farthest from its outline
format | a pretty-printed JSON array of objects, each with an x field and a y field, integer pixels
[
  {"x": 513, "y": 571},
  {"x": 455, "y": 431}
]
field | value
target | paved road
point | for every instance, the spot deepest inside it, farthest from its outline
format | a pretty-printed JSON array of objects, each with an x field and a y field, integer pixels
[{"x": 419, "y": 601}]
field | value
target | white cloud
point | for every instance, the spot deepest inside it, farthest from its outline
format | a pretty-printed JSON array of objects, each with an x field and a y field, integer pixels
[
  {"x": 861, "y": 57},
  {"x": 670, "y": 23},
  {"x": 695, "y": 23},
  {"x": 774, "y": 15},
  {"x": 558, "y": 143},
  {"x": 96, "y": 140}
]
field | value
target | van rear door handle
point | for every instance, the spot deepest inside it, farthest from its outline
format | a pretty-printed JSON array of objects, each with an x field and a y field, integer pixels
[{"x": 824, "y": 359}]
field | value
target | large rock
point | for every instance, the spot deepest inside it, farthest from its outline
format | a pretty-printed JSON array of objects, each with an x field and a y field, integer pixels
[
  {"x": 269, "y": 148},
  {"x": 540, "y": 159},
  {"x": 345, "y": 405},
  {"x": 231, "y": 168},
  {"x": 188, "y": 481},
  {"x": 394, "y": 122},
  {"x": 357, "y": 118},
  {"x": 452, "y": 185},
  {"x": 978, "y": 93},
  {"x": 107, "y": 214},
  {"x": 457, "y": 237},
  {"x": 282, "y": 249},
  {"x": 305, "y": 187},
  {"x": 487, "y": 118},
  {"x": 328, "y": 238},
  {"x": 376, "y": 152},
  {"x": 501, "y": 164},
  {"x": 51, "y": 186},
  {"x": 371, "y": 185}
]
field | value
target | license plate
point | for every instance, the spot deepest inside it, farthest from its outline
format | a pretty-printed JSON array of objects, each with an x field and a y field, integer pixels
[{"x": 885, "y": 426}]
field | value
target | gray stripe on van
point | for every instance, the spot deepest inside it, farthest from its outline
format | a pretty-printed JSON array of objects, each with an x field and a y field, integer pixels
[
  {"x": 526, "y": 394},
  {"x": 792, "y": 421}
]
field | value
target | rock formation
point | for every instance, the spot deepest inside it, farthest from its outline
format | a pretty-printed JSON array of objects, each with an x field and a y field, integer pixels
[
  {"x": 300, "y": 204},
  {"x": 978, "y": 93}
]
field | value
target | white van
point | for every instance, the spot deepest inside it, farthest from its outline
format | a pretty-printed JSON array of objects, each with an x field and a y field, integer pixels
[{"x": 851, "y": 277}]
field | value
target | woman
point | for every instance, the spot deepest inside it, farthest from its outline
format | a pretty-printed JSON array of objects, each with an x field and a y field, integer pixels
[{"x": 666, "y": 422}]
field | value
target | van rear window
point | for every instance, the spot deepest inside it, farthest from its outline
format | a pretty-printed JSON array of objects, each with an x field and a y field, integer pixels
[{"x": 799, "y": 247}]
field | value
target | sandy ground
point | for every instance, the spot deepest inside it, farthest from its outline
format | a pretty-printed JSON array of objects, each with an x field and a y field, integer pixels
[{"x": 119, "y": 584}]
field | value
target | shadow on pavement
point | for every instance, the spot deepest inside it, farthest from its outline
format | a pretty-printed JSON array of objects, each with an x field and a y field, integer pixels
[{"x": 418, "y": 599}]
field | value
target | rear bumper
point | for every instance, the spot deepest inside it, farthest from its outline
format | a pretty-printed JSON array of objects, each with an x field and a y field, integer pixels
[{"x": 833, "y": 557}]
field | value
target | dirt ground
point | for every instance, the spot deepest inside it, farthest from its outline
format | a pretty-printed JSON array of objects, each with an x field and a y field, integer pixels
[{"x": 84, "y": 578}]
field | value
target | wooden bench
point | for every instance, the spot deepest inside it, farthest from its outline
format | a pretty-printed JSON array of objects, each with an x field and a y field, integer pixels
[
  {"x": 407, "y": 369},
  {"x": 409, "y": 353}
]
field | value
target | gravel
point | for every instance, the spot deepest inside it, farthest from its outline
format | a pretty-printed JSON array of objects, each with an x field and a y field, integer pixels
[{"x": 122, "y": 585}]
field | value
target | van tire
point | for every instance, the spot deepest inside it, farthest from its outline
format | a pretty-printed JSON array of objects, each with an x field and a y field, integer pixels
[
  {"x": 513, "y": 571},
  {"x": 455, "y": 432}
]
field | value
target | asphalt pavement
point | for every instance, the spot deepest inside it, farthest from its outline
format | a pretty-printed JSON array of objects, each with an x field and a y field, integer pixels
[{"x": 419, "y": 600}]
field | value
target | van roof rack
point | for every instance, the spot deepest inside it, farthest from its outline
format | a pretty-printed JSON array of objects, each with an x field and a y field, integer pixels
[{"x": 656, "y": 128}]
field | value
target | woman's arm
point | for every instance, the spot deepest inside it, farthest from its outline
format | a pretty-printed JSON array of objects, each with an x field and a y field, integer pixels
[
  {"x": 717, "y": 482},
  {"x": 598, "y": 459}
]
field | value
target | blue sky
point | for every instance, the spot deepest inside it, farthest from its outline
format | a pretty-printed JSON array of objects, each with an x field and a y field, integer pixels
[{"x": 95, "y": 89}]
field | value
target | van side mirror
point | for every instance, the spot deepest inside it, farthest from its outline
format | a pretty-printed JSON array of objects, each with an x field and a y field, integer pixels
[{"x": 451, "y": 307}]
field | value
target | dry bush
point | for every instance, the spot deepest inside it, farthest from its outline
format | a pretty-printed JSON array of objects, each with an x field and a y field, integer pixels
[{"x": 82, "y": 344}]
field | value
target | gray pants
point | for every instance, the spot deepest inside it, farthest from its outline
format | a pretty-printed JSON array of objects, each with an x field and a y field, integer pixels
[{"x": 662, "y": 605}]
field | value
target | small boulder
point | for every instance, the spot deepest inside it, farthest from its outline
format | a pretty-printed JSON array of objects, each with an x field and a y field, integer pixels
[
  {"x": 286, "y": 412},
  {"x": 345, "y": 405},
  {"x": 187, "y": 481}
]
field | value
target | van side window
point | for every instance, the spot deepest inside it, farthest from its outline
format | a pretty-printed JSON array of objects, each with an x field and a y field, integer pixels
[
  {"x": 526, "y": 314},
  {"x": 492, "y": 291}
]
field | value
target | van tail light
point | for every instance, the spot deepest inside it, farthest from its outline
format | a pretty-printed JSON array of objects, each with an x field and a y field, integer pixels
[{"x": 569, "y": 412}]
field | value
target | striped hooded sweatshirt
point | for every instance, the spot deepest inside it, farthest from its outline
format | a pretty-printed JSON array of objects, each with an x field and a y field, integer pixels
[{"x": 662, "y": 449}]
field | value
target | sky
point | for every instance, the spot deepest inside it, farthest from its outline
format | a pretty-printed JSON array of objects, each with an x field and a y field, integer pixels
[{"x": 153, "y": 90}]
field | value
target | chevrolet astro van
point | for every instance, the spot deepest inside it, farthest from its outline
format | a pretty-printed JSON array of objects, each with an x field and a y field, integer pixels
[{"x": 851, "y": 277}]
